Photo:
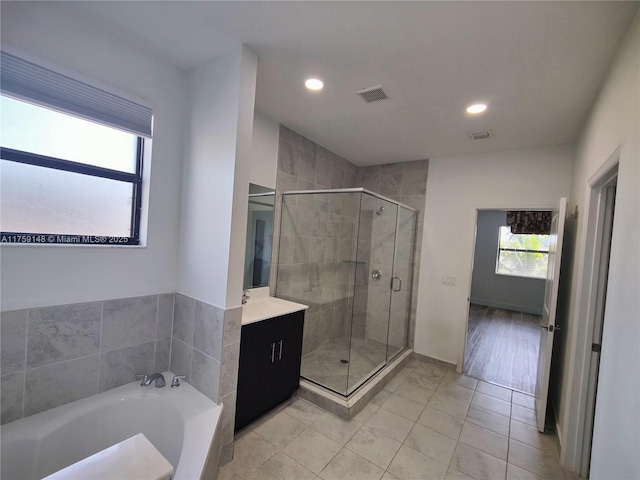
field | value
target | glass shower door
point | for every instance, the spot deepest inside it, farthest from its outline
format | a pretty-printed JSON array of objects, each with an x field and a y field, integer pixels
[
  {"x": 401, "y": 282},
  {"x": 372, "y": 293}
]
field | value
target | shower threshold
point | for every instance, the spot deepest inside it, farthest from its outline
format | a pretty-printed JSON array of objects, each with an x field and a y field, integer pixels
[{"x": 348, "y": 407}]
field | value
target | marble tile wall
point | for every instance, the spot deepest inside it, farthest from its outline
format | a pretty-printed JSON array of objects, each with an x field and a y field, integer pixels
[
  {"x": 55, "y": 355},
  {"x": 206, "y": 348},
  {"x": 405, "y": 182},
  {"x": 305, "y": 165},
  {"x": 317, "y": 261}
]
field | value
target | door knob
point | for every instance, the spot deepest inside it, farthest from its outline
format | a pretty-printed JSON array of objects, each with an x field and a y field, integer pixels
[{"x": 376, "y": 274}]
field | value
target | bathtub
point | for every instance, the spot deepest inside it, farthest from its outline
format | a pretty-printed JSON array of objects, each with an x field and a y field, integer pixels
[{"x": 180, "y": 422}]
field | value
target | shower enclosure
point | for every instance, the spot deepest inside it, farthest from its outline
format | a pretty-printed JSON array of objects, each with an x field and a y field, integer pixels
[{"x": 348, "y": 254}]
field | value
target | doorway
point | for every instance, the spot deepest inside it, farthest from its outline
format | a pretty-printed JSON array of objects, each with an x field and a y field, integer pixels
[
  {"x": 506, "y": 302},
  {"x": 602, "y": 217}
]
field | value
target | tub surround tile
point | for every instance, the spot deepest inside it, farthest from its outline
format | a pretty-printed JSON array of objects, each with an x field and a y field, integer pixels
[
  {"x": 63, "y": 333},
  {"x": 229, "y": 373},
  {"x": 181, "y": 356},
  {"x": 128, "y": 321},
  {"x": 121, "y": 366},
  {"x": 165, "y": 316},
  {"x": 184, "y": 318},
  {"x": 232, "y": 325},
  {"x": 53, "y": 385},
  {"x": 161, "y": 356},
  {"x": 116, "y": 339},
  {"x": 228, "y": 418},
  {"x": 208, "y": 328},
  {"x": 11, "y": 390},
  {"x": 205, "y": 375},
  {"x": 13, "y": 335}
]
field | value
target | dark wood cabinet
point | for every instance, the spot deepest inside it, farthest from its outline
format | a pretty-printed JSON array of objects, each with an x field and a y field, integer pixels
[{"x": 269, "y": 369}]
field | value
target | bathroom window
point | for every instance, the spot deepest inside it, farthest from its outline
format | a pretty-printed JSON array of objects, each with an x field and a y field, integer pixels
[
  {"x": 71, "y": 159},
  {"x": 522, "y": 255}
]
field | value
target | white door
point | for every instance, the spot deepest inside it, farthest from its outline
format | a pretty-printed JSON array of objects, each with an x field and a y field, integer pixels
[{"x": 548, "y": 321}]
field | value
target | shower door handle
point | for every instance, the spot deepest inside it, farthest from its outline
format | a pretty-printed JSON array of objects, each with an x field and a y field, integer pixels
[{"x": 393, "y": 284}]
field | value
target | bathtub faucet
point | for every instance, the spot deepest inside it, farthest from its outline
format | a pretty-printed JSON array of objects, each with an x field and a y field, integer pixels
[{"x": 158, "y": 378}]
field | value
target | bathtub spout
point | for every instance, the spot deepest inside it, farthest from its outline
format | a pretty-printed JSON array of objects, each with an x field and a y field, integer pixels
[{"x": 156, "y": 377}]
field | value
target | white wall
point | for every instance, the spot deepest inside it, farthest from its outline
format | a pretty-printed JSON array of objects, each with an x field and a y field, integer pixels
[
  {"x": 456, "y": 187},
  {"x": 36, "y": 276},
  {"x": 264, "y": 151},
  {"x": 216, "y": 178},
  {"x": 614, "y": 122}
]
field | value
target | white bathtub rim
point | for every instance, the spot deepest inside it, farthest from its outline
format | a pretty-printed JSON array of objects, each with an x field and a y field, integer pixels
[{"x": 199, "y": 414}]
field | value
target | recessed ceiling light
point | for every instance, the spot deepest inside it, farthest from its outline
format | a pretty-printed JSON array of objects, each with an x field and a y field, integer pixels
[
  {"x": 476, "y": 108},
  {"x": 314, "y": 84}
]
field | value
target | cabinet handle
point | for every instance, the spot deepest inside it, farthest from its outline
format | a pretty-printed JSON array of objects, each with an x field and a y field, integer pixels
[
  {"x": 280, "y": 351},
  {"x": 273, "y": 352}
]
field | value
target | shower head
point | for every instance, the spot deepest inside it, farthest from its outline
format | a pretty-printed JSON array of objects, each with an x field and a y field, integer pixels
[{"x": 380, "y": 210}]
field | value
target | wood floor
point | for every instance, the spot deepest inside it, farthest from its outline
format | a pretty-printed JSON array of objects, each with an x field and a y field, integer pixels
[{"x": 502, "y": 347}]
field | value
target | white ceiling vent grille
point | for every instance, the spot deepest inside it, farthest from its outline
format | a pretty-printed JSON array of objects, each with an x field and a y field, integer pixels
[
  {"x": 373, "y": 94},
  {"x": 480, "y": 135}
]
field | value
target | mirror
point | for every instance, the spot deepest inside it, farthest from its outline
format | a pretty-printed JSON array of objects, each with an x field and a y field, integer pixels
[{"x": 257, "y": 259}]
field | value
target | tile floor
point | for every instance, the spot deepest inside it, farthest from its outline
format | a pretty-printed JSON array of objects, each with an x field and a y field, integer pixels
[{"x": 428, "y": 423}]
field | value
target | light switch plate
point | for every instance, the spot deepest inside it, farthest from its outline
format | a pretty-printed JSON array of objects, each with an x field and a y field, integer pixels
[{"x": 447, "y": 280}]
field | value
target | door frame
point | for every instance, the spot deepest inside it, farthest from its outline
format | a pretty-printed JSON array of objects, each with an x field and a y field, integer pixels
[
  {"x": 586, "y": 308},
  {"x": 473, "y": 215}
]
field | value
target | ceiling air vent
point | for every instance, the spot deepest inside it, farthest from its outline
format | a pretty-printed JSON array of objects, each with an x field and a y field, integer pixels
[
  {"x": 480, "y": 135},
  {"x": 372, "y": 94}
]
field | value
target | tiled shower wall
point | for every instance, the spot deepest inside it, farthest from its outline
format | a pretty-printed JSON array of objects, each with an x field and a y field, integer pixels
[
  {"x": 55, "y": 355},
  {"x": 305, "y": 165},
  {"x": 206, "y": 348},
  {"x": 317, "y": 261},
  {"x": 405, "y": 182}
]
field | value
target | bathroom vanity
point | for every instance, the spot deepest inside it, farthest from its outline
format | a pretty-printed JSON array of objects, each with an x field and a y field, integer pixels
[{"x": 270, "y": 356}]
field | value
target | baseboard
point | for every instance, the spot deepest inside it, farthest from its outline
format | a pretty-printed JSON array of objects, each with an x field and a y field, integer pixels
[
  {"x": 506, "y": 306},
  {"x": 434, "y": 361}
]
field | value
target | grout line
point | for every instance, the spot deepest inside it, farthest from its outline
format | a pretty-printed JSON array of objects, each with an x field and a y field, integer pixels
[{"x": 24, "y": 379}]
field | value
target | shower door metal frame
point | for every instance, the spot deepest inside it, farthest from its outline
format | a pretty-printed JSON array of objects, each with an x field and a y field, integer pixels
[{"x": 362, "y": 190}]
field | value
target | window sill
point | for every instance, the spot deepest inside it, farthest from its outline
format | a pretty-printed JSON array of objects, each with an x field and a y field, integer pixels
[{"x": 520, "y": 276}]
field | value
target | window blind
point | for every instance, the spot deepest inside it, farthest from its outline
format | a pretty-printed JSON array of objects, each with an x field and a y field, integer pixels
[{"x": 34, "y": 83}]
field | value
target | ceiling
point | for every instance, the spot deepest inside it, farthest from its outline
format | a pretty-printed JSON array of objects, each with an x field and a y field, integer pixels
[{"x": 538, "y": 66}]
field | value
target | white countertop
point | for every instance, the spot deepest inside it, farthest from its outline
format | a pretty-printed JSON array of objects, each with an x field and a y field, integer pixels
[
  {"x": 261, "y": 307},
  {"x": 131, "y": 459}
]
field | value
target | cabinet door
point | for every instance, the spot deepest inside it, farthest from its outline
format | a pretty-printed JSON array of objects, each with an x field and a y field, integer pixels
[
  {"x": 251, "y": 381},
  {"x": 291, "y": 357}
]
